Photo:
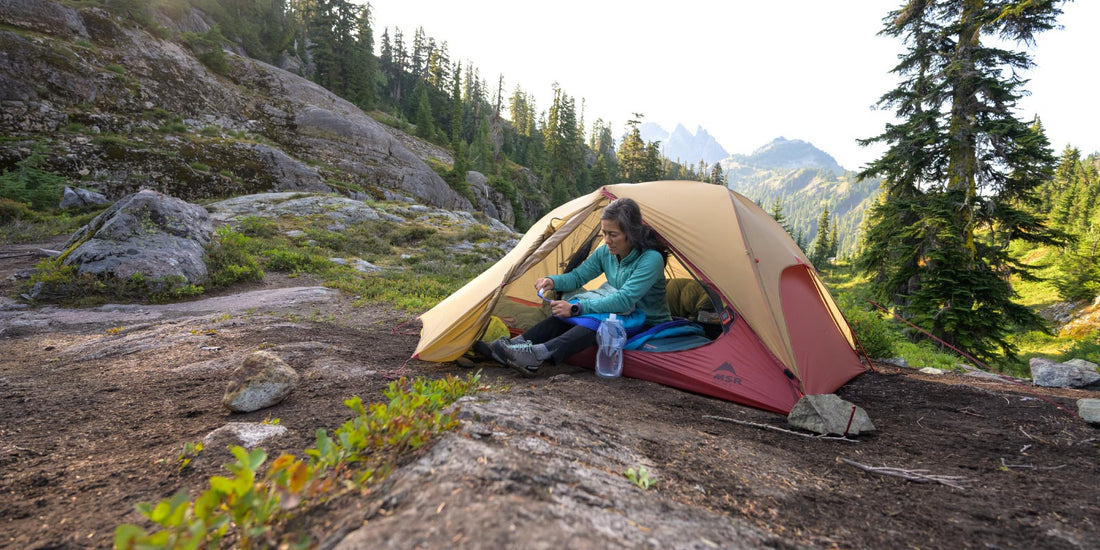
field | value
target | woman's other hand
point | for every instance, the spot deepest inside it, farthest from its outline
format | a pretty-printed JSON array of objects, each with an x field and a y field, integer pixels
[
  {"x": 561, "y": 308},
  {"x": 544, "y": 284}
]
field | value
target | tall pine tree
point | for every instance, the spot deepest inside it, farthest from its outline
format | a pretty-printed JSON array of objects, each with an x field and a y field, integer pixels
[{"x": 959, "y": 170}]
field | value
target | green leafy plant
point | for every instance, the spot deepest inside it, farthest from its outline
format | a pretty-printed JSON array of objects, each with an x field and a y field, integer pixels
[
  {"x": 295, "y": 261},
  {"x": 875, "y": 333},
  {"x": 248, "y": 508},
  {"x": 640, "y": 476},
  {"x": 190, "y": 452},
  {"x": 229, "y": 260}
]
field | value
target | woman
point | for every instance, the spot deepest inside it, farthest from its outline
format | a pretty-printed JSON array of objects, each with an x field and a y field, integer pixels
[{"x": 632, "y": 259}]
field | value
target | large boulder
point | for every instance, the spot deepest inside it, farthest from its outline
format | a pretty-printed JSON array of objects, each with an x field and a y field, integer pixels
[
  {"x": 158, "y": 237},
  {"x": 1075, "y": 373}
]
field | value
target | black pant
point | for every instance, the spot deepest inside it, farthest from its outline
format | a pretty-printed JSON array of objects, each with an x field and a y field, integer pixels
[{"x": 562, "y": 339}]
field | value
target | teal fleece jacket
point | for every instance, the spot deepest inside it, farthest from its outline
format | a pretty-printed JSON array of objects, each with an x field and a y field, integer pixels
[{"x": 639, "y": 278}]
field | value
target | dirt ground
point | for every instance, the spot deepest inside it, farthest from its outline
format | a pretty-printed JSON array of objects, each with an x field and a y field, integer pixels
[{"x": 95, "y": 407}]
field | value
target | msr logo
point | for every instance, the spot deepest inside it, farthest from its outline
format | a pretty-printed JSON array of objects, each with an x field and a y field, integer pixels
[{"x": 726, "y": 375}]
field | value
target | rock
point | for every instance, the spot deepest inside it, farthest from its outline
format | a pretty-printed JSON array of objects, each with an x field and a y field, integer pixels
[
  {"x": 245, "y": 434},
  {"x": 81, "y": 199},
  {"x": 1089, "y": 409},
  {"x": 147, "y": 233},
  {"x": 582, "y": 499},
  {"x": 43, "y": 17},
  {"x": 931, "y": 370},
  {"x": 273, "y": 205},
  {"x": 976, "y": 373},
  {"x": 829, "y": 414},
  {"x": 262, "y": 380},
  {"x": 1051, "y": 374},
  {"x": 1082, "y": 363},
  {"x": 897, "y": 362},
  {"x": 490, "y": 201}
]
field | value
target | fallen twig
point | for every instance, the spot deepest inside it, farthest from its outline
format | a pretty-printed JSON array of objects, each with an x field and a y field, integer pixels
[
  {"x": 1025, "y": 433},
  {"x": 918, "y": 476},
  {"x": 1021, "y": 466},
  {"x": 1031, "y": 466},
  {"x": 778, "y": 429}
]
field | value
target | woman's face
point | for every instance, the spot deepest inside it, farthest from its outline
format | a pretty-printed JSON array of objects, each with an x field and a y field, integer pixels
[{"x": 614, "y": 238}]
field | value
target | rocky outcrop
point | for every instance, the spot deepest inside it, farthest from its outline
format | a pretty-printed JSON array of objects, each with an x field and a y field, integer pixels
[
  {"x": 139, "y": 111},
  {"x": 148, "y": 234}
]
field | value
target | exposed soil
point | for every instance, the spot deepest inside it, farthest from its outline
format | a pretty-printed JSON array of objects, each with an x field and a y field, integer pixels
[{"x": 96, "y": 405}]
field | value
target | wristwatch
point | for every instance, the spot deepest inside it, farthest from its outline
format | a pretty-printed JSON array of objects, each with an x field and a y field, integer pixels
[{"x": 574, "y": 310}]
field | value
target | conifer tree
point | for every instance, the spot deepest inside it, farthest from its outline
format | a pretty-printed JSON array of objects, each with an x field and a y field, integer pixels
[
  {"x": 425, "y": 122},
  {"x": 717, "y": 175},
  {"x": 781, "y": 218},
  {"x": 821, "y": 246},
  {"x": 632, "y": 153},
  {"x": 481, "y": 149},
  {"x": 958, "y": 171}
]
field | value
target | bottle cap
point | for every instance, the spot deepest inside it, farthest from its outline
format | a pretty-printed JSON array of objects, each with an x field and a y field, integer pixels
[{"x": 611, "y": 317}]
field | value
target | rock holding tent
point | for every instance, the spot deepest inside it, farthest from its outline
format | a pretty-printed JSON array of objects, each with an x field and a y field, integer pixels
[{"x": 778, "y": 333}]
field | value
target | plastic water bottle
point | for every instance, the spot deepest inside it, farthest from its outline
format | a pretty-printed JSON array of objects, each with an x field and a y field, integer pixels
[{"x": 611, "y": 337}]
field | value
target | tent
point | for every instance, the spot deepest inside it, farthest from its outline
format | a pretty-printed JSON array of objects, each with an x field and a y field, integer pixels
[{"x": 781, "y": 334}]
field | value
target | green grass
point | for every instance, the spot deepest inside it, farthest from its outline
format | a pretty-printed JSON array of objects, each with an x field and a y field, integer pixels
[
  {"x": 920, "y": 351},
  {"x": 880, "y": 334}
]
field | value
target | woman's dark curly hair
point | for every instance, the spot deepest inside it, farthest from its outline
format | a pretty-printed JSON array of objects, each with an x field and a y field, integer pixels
[{"x": 628, "y": 215}]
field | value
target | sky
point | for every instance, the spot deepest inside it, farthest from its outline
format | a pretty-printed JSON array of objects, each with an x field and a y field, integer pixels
[{"x": 746, "y": 72}]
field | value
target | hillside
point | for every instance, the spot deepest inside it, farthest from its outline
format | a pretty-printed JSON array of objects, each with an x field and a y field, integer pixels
[
  {"x": 114, "y": 108},
  {"x": 805, "y": 181}
]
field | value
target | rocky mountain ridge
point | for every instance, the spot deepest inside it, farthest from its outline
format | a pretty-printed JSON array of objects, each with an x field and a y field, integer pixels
[{"x": 684, "y": 146}]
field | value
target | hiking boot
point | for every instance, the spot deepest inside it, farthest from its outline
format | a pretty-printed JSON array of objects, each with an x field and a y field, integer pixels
[
  {"x": 496, "y": 350},
  {"x": 523, "y": 357}
]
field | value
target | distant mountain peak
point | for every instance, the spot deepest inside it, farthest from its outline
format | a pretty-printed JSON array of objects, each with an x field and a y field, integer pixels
[
  {"x": 684, "y": 146},
  {"x": 790, "y": 153}
]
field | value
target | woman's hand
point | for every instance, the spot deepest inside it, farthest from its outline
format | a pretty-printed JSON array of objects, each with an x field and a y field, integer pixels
[
  {"x": 544, "y": 283},
  {"x": 561, "y": 308}
]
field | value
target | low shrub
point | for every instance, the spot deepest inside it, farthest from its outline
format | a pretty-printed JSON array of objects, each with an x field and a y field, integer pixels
[
  {"x": 54, "y": 281},
  {"x": 229, "y": 260},
  {"x": 294, "y": 261},
  {"x": 30, "y": 183},
  {"x": 249, "y": 509},
  {"x": 255, "y": 226},
  {"x": 876, "y": 334}
]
